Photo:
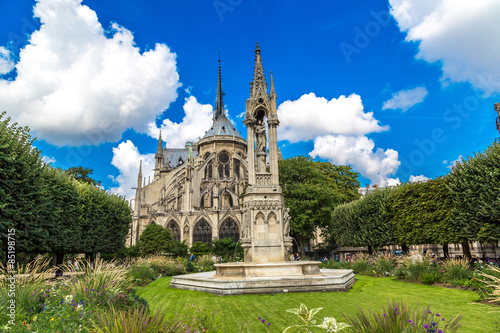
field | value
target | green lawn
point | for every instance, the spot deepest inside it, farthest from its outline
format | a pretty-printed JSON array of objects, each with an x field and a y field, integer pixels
[{"x": 368, "y": 293}]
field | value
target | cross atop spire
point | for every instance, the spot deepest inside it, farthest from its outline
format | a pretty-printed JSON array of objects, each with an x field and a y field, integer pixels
[{"x": 219, "y": 104}]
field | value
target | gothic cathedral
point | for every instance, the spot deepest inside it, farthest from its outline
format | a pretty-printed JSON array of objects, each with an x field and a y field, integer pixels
[{"x": 197, "y": 191}]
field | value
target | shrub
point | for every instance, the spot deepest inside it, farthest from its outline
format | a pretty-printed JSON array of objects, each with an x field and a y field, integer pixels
[
  {"x": 456, "y": 269},
  {"x": 161, "y": 265},
  {"x": 384, "y": 264},
  {"x": 99, "y": 282},
  {"x": 204, "y": 263},
  {"x": 396, "y": 317},
  {"x": 432, "y": 277},
  {"x": 361, "y": 263},
  {"x": 141, "y": 274},
  {"x": 416, "y": 265},
  {"x": 199, "y": 248}
]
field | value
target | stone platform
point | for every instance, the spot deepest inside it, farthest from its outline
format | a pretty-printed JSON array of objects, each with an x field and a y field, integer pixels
[{"x": 266, "y": 278}]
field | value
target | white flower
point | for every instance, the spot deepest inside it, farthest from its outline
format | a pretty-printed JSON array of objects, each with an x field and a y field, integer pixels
[
  {"x": 68, "y": 298},
  {"x": 79, "y": 307},
  {"x": 329, "y": 324}
]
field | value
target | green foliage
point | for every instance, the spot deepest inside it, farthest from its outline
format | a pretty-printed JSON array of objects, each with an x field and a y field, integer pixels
[
  {"x": 422, "y": 213},
  {"x": 155, "y": 239},
  {"x": 200, "y": 248},
  {"x": 20, "y": 188},
  {"x": 396, "y": 317},
  {"x": 227, "y": 248},
  {"x": 179, "y": 249},
  {"x": 142, "y": 275},
  {"x": 456, "y": 269},
  {"x": 416, "y": 266},
  {"x": 364, "y": 222},
  {"x": 135, "y": 320},
  {"x": 312, "y": 190},
  {"x": 308, "y": 322},
  {"x": 204, "y": 263},
  {"x": 83, "y": 175},
  {"x": 384, "y": 264},
  {"x": 473, "y": 184}
]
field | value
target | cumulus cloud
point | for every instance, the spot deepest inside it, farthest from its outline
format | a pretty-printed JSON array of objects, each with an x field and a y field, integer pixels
[
  {"x": 6, "y": 63},
  {"x": 126, "y": 159},
  {"x": 359, "y": 151},
  {"x": 197, "y": 119},
  {"x": 460, "y": 35},
  {"x": 420, "y": 178},
  {"x": 405, "y": 99},
  {"x": 78, "y": 84},
  {"x": 48, "y": 159},
  {"x": 311, "y": 116},
  {"x": 451, "y": 164}
]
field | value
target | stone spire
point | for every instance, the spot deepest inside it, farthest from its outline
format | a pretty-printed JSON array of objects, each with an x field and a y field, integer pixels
[
  {"x": 259, "y": 85},
  {"x": 219, "y": 104},
  {"x": 158, "y": 158},
  {"x": 272, "y": 93},
  {"x": 139, "y": 177}
]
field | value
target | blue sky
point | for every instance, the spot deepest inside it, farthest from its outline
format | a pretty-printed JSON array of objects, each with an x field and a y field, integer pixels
[{"x": 398, "y": 89}]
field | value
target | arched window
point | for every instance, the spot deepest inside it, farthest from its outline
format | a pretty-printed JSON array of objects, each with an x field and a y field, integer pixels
[
  {"x": 174, "y": 230},
  {"x": 229, "y": 229},
  {"x": 236, "y": 164},
  {"x": 208, "y": 171},
  {"x": 223, "y": 165},
  {"x": 202, "y": 232}
]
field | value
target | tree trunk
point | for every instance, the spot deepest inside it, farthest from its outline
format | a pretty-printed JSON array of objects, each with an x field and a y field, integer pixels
[
  {"x": 59, "y": 262},
  {"x": 370, "y": 250},
  {"x": 302, "y": 249},
  {"x": 405, "y": 249},
  {"x": 446, "y": 251},
  {"x": 482, "y": 250},
  {"x": 466, "y": 250}
]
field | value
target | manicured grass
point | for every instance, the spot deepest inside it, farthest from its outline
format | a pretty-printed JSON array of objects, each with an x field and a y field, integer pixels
[{"x": 369, "y": 293}]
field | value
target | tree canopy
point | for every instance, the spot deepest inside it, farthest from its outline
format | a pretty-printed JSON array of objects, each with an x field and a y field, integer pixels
[
  {"x": 312, "y": 190},
  {"x": 82, "y": 174}
]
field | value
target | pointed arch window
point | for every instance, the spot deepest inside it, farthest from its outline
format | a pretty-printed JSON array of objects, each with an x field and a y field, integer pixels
[
  {"x": 236, "y": 165},
  {"x": 229, "y": 229},
  {"x": 174, "y": 230},
  {"x": 202, "y": 232}
]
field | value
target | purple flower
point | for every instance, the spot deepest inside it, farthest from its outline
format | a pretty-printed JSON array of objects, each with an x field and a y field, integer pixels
[
  {"x": 396, "y": 309},
  {"x": 429, "y": 311},
  {"x": 385, "y": 315},
  {"x": 409, "y": 320},
  {"x": 437, "y": 314},
  {"x": 426, "y": 326},
  {"x": 268, "y": 324},
  {"x": 397, "y": 313},
  {"x": 263, "y": 320},
  {"x": 442, "y": 319},
  {"x": 260, "y": 318},
  {"x": 439, "y": 331}
]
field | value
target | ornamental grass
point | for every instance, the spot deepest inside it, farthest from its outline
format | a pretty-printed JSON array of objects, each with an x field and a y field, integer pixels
[
  {"x": 416, "y": 265},
  {"x": 397, "y": 318},
  {"x": 492, "y": 281},
  {"x": 456, "y": 269}
]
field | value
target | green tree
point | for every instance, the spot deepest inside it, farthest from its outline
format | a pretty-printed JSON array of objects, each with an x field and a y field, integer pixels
[
  {"x": 82, "y": 174},
  {"x": 20, "y": 188},
  {"x": 474, "y": 186},
  {"x": 312, "y": 190},
  {"x": 364, "y": 222},
  {"x": 227, "y": 248},
  {"x": 422, "y": 213},
  {"x": 155, "y": 239}
]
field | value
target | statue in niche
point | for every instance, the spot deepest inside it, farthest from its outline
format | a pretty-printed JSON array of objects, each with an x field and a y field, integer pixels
[
  {"x": 286, "y": 222},
  {"x": 260, "y": 133}
]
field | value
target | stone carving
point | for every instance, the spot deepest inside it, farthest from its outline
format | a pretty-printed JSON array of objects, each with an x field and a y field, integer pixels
[
  {"x": 260, "y": 134},
  {"x": 286, "y": 222},
  {"x": 263, "y": 180}
]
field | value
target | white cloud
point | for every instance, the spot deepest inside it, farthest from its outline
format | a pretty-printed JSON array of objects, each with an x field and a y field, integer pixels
[
  {"x": 461, "y": 35},
  {"x": 126, "y": 159},
  {"x": 310, "y": 116},
  {"x": 78, "y": 84},
  {"x": 420, "y": 178},
  {"x": 6, "y": 63},
  {"x": 48, "y": 159},
  {"x": 451, "y": 164},
  {"x": 405, "y": 99},
  {"x": 197, "y": 119},
  {"x": 359, "y": 151}
]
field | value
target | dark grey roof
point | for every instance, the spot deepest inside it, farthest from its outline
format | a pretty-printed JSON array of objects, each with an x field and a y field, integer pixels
[
  {"x": 172, "y": 155},
  {"x": 222, "y": 126}
]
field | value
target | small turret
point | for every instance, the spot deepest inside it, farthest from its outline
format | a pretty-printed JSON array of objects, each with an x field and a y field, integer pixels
[{"x": 158, "y": 158}]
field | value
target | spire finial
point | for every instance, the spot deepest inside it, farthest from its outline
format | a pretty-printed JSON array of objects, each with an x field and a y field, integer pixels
[
  {"x": 257, "y": 49},
  {"x": 159, "y": 149},
  {"x": 219, "y": 104}
]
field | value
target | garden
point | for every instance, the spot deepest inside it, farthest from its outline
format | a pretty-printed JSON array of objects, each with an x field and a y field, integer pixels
[{"x": 412, "y": 293}]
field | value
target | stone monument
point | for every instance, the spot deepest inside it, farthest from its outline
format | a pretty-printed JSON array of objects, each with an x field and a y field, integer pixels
[{"x": 266, "y": 223}]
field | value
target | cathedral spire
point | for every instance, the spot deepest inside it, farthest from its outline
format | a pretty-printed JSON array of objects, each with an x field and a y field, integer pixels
[
  {"x": 219, "y": 105},
  {"x": 159, "y": 149},
  {"x": 259, "y": 85},
  {"x": 139, "y": 177},
  {"x": 272, "y": 93}
]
